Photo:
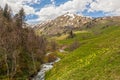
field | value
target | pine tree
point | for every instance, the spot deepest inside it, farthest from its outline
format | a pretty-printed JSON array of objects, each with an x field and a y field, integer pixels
[
  {"x": 7, "y": 12},
  {"x": 21, "y": 15},
  {"x": 71, "y": 35},
  {"x": 20, "y": 18}
]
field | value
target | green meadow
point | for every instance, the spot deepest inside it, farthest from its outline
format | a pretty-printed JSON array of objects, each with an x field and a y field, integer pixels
[{"x": 97, "y": 57}]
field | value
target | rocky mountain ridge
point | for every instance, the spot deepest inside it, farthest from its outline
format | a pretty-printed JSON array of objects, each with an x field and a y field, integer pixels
[
  {"x": 62, "y": 24},
  {"x": 69, "y": 21}
]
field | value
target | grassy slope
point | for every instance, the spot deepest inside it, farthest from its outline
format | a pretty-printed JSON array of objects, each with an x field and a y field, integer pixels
[{"x": 97, "y": 59}]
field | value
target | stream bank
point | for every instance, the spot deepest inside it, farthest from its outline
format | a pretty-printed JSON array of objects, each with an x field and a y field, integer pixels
[{"x": 45, "y": 67}]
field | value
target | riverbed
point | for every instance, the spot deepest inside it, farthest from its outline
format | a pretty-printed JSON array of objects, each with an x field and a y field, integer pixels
[{"x": 45, "y": 67}]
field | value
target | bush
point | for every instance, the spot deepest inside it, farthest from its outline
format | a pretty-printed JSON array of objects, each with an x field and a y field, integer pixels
[
  {"x": 53, "y": 45},
  {"x": 74, "y": 45},
  {"x": 50, "y": 57},
  {"x": 71, "y": 34}
]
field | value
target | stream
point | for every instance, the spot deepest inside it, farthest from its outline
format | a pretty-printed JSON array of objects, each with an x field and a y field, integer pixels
[{"x": 45, "y": 67}]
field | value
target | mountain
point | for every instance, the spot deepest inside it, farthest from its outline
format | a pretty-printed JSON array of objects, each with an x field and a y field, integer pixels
[
  {"x": 66, "y": 22},
  {"x": 104, "y": 21},
  {"x": 62, "y": 24},
  {"x": 96, "y": 57}
]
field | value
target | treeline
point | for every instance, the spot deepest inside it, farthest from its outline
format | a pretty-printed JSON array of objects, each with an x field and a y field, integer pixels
[{"x": 21, "y": 51}]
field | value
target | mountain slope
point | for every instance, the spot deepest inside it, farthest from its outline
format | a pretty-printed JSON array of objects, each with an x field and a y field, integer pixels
[
  {"x": 62, "y": 24},
  {"x": 98, "y": 58}
]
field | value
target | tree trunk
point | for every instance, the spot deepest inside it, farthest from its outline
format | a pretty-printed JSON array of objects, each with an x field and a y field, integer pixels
[
  {"x": 8, "y": 72},
  {"x": 14, "y": 66},
  {"x": 33, "y": 59}
]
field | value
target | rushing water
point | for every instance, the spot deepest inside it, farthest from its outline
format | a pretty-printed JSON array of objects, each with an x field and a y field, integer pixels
[{"x": 45, "y": 67}]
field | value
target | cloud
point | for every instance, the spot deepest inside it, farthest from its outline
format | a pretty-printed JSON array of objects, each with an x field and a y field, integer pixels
[
  {"x": 16, "y": 5},
  {"x": 51, "y": 11},
  {"x": 33, "y": 21},
  {"x": 109, "y": 7},
  {"x": 53, "y": 2},
  {"x": 72, "y": 6}
]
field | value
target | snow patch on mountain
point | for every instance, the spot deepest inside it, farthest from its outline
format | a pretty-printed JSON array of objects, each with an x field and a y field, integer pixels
[{"x": 72, "y": 16}]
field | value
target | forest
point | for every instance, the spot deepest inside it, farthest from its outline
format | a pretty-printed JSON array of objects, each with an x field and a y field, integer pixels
[{"x": 21, "y": 51}]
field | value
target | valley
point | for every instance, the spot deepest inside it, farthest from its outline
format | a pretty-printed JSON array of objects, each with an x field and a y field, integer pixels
[{"x": 69, "y": 47}]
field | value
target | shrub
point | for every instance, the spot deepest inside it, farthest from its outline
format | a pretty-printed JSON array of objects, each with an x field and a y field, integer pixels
[
  {"x": 71, "y": 34},
  {"x": 50, "y": 57},
  {"x": 53, "y": 45},
  {"x": 74, "y": 45}
]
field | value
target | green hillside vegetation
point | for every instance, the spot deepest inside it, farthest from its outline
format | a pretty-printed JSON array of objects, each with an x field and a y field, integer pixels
[{"x": 97, "y": 57}]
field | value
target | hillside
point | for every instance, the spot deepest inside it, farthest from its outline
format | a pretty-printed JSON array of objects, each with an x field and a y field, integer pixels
[
  {"x": 97, "y": 57},
  {"x": 66, "y": 22},
  {"x": 62, "y": 24}
]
